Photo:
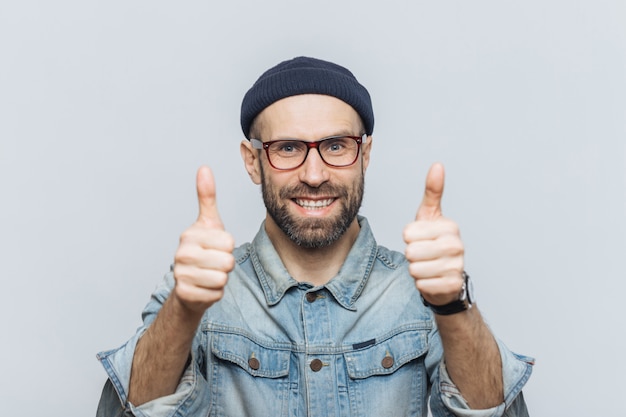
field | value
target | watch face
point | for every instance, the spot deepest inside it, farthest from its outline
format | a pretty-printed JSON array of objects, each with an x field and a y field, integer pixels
[
  {"x": 470, "y": 289},
  {"x": 464, "y": 294}
]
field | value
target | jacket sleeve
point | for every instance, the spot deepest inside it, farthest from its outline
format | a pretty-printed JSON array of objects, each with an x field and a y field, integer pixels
[
  {"x": 446, "y": 399},
  {"x": 192, "y": 394}
]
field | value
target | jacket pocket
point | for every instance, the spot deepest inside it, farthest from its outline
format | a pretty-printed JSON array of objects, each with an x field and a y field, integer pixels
[
  {"x": 387, "y": 356},
  {"x": 247, "y": 378},
  {"x": 252, "y": 357},
  {"x": 389, "y": 377}
]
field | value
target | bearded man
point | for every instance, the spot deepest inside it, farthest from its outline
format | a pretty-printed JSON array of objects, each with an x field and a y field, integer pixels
[{"x": 313, "y": 318}]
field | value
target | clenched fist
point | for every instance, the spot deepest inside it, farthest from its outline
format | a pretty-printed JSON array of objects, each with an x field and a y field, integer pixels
[
  {"x": 205, "y": 253},
  {"x": 434, "y": 247}
]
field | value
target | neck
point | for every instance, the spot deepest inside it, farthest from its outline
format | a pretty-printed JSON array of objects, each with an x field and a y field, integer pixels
[{"x": 314, "y": 265}]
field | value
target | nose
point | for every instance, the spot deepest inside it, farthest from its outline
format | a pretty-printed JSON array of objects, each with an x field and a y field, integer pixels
[{"x": 314, "y": 170}]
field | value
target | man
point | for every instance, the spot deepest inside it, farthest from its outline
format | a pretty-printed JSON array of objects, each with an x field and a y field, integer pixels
[{"x": 313, "y": 318}]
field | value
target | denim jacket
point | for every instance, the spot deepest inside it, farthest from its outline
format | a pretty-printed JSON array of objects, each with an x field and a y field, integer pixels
[{"x": 361, "y": 345}]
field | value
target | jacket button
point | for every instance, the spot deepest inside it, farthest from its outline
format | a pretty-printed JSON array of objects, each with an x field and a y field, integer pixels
[
  {"x": 254, "y": 363},
  {"x": 316, "y": 365},
  {"x": 311, "y": 297},
  {"x": 387, "y": 362}
]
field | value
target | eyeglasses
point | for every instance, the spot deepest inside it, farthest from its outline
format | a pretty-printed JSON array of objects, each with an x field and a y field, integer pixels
[{"x": 335, "y": 151}]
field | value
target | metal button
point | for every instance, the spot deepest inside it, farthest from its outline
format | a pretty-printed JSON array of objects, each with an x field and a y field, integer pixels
[
  {"x": 316, "y": 365},
  {"x": 254, "y": 363},
  {"x": 387, "y": 362},
  {"x": 311, "y": 297}
]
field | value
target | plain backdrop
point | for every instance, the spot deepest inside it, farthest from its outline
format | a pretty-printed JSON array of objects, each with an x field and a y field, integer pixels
[{"x": 107, "y": 109}]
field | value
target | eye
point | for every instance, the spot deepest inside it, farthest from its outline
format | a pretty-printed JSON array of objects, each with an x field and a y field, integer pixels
[
  {"x": 287, "y": 147},
  {"x": 336, "y": 145}
]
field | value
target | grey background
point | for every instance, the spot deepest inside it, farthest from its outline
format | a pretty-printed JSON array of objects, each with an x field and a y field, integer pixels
[{"x": 108, "y": 108}]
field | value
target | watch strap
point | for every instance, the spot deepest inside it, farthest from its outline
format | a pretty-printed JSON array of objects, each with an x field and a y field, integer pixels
[{"x": 456, "y": 306}]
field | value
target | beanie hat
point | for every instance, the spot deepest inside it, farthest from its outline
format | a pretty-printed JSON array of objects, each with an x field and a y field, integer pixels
[{"x": 305, "y": 75}]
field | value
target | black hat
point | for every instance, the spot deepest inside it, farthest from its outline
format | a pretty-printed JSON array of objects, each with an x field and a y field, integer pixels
[{"x": 305, "y": 75}]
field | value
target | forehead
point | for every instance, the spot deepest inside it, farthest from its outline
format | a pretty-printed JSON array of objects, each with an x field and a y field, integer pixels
[{"x": 310, "y": 117}]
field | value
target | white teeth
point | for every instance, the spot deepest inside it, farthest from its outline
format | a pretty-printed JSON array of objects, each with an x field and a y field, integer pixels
[{"x": 314, "y": 204}]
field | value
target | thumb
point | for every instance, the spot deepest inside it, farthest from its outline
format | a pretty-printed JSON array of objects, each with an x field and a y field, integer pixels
[
  {"x": 205, "y": 186},
  {"x": 430, "y": 208}
]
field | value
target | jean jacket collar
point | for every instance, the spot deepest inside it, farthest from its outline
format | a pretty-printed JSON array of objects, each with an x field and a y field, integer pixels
[{"x": 346, "y": 286}]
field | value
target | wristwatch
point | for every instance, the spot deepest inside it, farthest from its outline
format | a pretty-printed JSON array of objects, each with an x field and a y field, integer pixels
[{"x": 465, "y": 301}]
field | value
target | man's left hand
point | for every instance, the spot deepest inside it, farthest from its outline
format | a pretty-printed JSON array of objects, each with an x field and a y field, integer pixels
[{"x": 434, "y": 247}]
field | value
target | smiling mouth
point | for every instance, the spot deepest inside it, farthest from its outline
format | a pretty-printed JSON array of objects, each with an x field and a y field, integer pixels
[{"x": 313, "y": 204}]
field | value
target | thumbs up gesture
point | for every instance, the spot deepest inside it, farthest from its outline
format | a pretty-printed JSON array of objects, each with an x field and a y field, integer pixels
[
  {"x": 434, "y": 247},
  {"x": 205, "y": 253}
]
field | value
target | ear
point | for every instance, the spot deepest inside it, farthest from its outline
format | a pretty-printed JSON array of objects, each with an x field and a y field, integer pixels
[
  {"x": 365, "y": 151},
  {"x": 251, "y": 161}
]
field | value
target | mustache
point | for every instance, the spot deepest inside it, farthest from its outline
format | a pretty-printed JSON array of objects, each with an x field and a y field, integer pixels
[{"x": 305, "y": 190}]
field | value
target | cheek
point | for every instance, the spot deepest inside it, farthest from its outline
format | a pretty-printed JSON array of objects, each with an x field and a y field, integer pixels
[
  {"x": 356, "y": 177},
  {"x": 278, "y": 180},
  {"x": 272, "y": 185}
]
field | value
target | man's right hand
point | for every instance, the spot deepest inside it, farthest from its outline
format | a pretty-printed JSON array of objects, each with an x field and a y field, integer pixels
[
  {"x": 202, "y": 263},
  {"x": 205, "y": 253}
]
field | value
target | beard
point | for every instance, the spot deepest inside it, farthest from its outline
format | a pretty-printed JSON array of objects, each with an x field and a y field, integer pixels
[{"x": 313, "y": 233}]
